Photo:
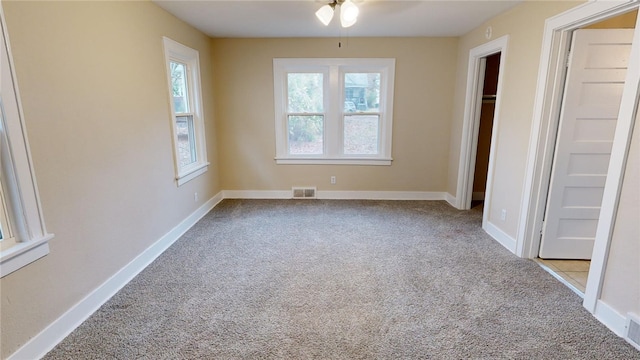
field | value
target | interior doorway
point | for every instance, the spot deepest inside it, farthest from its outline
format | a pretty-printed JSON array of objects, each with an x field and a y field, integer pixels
[
  {"x": 471, "y": 128},
  {"x": 485, "y": 128},
  {"x": 599, "y": 54}
]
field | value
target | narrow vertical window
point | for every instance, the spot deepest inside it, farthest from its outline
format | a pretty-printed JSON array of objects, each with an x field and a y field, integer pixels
[
  {"x": 184, "y": 117},
  {"x": 183, "y": 73}
]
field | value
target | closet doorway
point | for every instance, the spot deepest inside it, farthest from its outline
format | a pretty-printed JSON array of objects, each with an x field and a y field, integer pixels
[{"x": 485, "y": 127}]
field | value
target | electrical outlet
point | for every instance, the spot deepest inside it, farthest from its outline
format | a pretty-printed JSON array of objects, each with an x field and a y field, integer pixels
[
  {"x": 195, "y": 197},
  {"x": 503, "y": 214},
  {"x": 333, "y": 180}
]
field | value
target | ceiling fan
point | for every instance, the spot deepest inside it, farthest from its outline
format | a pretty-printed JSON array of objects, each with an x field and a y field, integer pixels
[{"x": 348, "y": 12}]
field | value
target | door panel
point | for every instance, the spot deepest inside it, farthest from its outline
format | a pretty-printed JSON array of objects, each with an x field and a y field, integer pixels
[{"x": 593, "y": 91}]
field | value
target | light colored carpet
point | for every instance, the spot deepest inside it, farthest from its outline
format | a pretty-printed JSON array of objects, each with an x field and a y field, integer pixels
[{"x": 285, "y": 279}]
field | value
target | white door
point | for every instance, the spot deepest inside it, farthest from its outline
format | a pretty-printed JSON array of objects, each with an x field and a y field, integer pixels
[{"x": 593, "y": 91}]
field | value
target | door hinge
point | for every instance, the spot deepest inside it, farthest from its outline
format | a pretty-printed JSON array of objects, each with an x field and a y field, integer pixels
[{"x": 568, "y": 60}]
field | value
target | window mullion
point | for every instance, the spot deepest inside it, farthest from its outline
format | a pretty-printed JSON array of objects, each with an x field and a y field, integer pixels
[{"x": 333, "y": 119}]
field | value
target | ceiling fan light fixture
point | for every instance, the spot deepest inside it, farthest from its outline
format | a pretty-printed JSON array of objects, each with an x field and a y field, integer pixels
[
  {"x": 325, "y": 14},
  {"x": 348, "y": 13}
]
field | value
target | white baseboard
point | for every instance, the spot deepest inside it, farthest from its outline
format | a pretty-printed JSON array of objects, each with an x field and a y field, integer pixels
[
  {"x": 380, "y": 195},
  {"x": 615, "y": 321},
  {"x": 48, "y": 338},
  {"x": 451, "y": 200},
  {"x": 500, "y": 236},
  {"x": 477, "y": 195},
  {"x": 338, "y": 195},
  {"x": 257, "y": 194}
]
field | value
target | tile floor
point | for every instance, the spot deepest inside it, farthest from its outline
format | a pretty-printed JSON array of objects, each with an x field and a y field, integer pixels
[{"x": 573, "y": 271}]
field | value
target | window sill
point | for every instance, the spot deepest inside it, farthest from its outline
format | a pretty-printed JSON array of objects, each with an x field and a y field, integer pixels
[
  {"x": 23, "y": 254},
  {"x": 334, "y": 161},
  {"x": 192, "y": 173}
]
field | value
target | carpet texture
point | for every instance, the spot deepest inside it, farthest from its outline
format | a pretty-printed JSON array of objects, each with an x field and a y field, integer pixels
[{"x": 285, "y": 279}]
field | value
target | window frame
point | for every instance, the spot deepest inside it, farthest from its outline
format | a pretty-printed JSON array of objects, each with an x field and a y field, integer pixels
[
  {"x": 30, "y": 239},
  {"x": 334, "y": 94},
  {"x": 176, "y": 52}
]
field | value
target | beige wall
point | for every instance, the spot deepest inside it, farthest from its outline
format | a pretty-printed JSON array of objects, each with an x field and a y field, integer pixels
[
  {"x": 95, "y": 97},
  {"x": 621, "y": 287},
  {"x": 424, "y": 83},
  {"x": 525, "y": 25},
  {"x": 624, "y": 21}
]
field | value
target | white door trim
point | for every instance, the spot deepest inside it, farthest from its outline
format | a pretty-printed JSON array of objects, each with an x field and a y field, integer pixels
[
  {"x": 471, "y": 122},
  {"x": 548, "y": 99},
  {"x": 617, "y": 165}
]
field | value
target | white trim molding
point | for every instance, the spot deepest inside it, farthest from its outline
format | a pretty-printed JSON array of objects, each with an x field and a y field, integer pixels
[
  {"x": 382, "y": 195},
  {"x": 341, "y": 195},
  {"x": 500, "y": 236},
  {"x": 612, "y": 319},
  {"x": 547, "y": 106},
  {"x": 451, "y": 200},
  {"x": 48, "y": 338},
  {"x": 471, "y": 122},
  {"x": 339, "y": 161},
  {"x": 257, "y": 194},
  {"x": 617, "y": 165}
]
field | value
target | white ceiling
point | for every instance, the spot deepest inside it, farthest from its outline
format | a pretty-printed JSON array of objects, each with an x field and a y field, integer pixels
[{"x": 242, "y": 18}]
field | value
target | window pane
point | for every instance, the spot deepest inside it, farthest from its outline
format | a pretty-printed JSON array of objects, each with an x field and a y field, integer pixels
[
  {"x": 4, "y": 221},
  {"x": 361, "y": 134},
  {"x": 305, "y": 134},
  {"x": 361, "y": 92},
  {"x": 305, "y": 93},
  {"x": 186, "y": 140},
  {"x": 179, "y": 87}
]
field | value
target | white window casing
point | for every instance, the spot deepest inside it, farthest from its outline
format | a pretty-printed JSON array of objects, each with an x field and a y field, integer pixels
[
  {"x": 23, "y": 219},
  {"x": 333, "y": 138},
  {"x": 192, "y": 120}
]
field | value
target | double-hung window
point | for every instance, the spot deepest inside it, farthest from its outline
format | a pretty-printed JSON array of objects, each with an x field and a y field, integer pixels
[
  {"x": 183, "y": 75},
  {"x": 333, "y": 111}
]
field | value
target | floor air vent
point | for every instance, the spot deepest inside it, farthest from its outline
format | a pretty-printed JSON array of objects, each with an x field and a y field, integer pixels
[
  {"x": 633, "y": 330},
  {"x": 304, "y": 192}
]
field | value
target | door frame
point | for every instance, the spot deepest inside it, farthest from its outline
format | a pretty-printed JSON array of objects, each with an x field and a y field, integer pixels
[
  {"x": 471, "y": 122},
  {"x": 548, "y": 101}
]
